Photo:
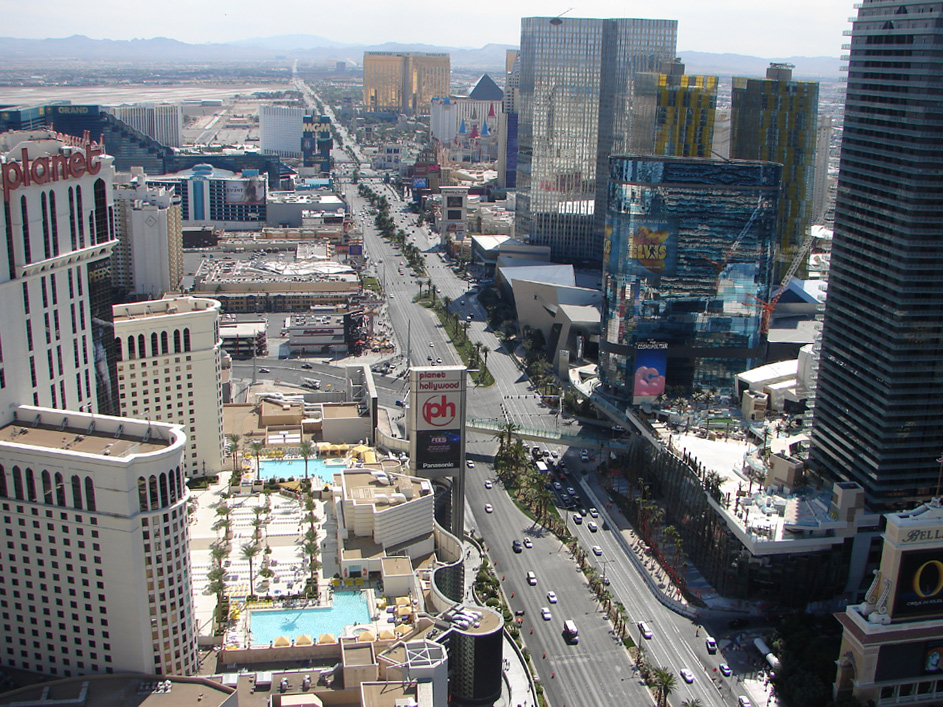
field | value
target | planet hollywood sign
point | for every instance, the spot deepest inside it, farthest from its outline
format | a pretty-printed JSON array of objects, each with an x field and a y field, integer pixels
[
  {"x": 43, "y": 170},
  {"x": 438, "y": 410}
]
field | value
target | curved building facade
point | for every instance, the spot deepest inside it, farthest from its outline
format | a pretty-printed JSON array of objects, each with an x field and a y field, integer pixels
[
  {"x": 688, "y": 257},
  {"x": 96, "y": 571}
]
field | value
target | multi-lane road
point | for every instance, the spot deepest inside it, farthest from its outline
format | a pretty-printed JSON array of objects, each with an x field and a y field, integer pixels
[{"x": 598, "y": 670}]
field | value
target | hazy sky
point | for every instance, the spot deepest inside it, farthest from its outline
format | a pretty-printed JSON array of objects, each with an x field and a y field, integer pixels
[{"x": 766, "y": 28}]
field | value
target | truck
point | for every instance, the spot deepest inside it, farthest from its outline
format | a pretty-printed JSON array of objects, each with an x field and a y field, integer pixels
[{"x": 312, "y": 383}]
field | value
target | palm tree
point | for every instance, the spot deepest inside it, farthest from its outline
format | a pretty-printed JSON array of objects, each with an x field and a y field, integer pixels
[
  {"x": 223, "y": 524},
  {"x": 693, "y": 702},
  {"x": 257, "y": 524},
  {"x": 485, "y": 350},
  {"x": 665, "y": 682},
  {"x": 306, "y": 450},
  {"x": 446, "y": 301},
  {"x": 249, "y": 552},
  {"x": 257, "y": 446},
  {"x": 234, "y": 448}
]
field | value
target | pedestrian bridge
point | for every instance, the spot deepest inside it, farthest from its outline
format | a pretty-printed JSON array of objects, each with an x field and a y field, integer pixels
[{"x": 495, "y": 425}]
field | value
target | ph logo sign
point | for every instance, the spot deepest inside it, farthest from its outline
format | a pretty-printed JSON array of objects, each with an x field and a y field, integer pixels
[{"x": 438, "y": 411}]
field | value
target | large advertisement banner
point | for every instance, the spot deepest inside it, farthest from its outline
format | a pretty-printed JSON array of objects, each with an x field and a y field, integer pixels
[
  {"x": 437, "y": 415},
  {"x": 652, "y": 248},
  {"x": 640, "y": 247},
  {"x": 920, "y": 585},
  {"x": 245, "y": 191},
  {"x": 440, "y": 450},
  {"x": 651, "y": 365}
]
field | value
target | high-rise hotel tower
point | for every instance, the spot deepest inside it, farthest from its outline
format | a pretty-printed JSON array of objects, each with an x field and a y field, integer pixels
[
  {"x": 879, "y": 406},
  {"x": 576, "y": 86}
]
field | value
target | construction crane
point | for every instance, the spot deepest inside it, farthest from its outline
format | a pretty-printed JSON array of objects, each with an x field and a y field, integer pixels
[
  {"x": 736, "y": 244},
  {"x": 767, "y": 307}
]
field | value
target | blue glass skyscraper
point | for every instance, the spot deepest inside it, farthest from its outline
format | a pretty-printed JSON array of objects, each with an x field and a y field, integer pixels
[{"x": 687, "y": 256}]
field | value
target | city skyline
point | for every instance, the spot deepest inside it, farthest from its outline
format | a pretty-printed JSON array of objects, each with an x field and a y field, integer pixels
[{"x": 782, "y": 29}]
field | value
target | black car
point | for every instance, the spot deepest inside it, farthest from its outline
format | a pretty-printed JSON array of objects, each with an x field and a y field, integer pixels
[
  {"x": 306, "y": 366},
  {"x": 738, "y": 623},
  {"x": 517, "y": 547}
]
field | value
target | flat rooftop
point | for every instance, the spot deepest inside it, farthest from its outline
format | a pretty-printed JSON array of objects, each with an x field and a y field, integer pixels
[
  {"x": 361, "y": 486},
  {"x": 355, "y": 653},
  {"x": 120, "y": 691},
  {"x": 80, "y": 439}
]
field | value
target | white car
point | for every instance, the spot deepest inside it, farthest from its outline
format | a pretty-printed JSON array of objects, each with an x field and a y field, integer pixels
[
  {"x": 531, "y": 579},
  {"x": 594, "y": 513},
  {"x": 687, "y": 675},
  {"x": 488, "y": 484},
  {"x": 489, "y": 508},
  {"x": 597, "y": 551},
  {"x": 592, "y": 526},
  {"x": 725, "y": 669},
  {"x": 264, "y": 370},
  {"x": 645, "y": 630},
  {"x": 552, "y": 597},
  {"x": 528, "y": 543},
  {"x": 545, "y": 612},
  {"x": 470, "y": 464}
]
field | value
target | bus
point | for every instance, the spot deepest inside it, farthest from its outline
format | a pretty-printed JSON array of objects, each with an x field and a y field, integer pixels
[{"x": 570, "y": 633}]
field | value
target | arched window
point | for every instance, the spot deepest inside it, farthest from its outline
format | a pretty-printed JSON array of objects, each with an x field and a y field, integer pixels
[
  {"x": 180, "y": 482},
  {"x": 118, "y": 348},
  {"x": 186, "y": 340},
  {"x": 142, "y": 351},
  {"x": 101, "y": 211},
  {"x": 164, "y": 500},
  {"x": 47, "y": 488},
  {"x": 78, "y": 215},
  {"x": 176, "y": 341},
  {"x": 24, "y": 212},
  {"x": 90, "y": 494},
  {"x": 54, "y": 219},
  {"x": 164, "y": 346},
  {"x": 3, "y": 482},
  {"x": 76, "y": 491},
  {"x": 47, "y": 243},
  {"x": 154, "y": 350},
  {"x": 75, "y": 243},
  {"x": 142, "y": 494},
  {"x": 131, "y": 353},
  {"x": 60, "y": 490},
  {"x": 172, "y": 482},
  {"x": 17, "y": 484},
  {"x": 30, "y": 486},
  {"x": 152, "y": 488}
]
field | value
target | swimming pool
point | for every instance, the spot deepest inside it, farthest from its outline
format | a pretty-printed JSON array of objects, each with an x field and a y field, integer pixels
[
  {"x": 349, "y": 608},
  {"x": 283, "y": 468}
]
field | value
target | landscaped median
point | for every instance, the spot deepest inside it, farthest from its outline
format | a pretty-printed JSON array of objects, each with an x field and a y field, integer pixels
[{"x": 473, "y": 354}]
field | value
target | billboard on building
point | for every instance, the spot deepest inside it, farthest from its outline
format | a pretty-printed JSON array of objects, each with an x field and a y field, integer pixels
[
  {"x": 436, "y": 418},
  {"x": 420, "y": 183},
  {"x": 920, "y": 585},
  {"x": 651, "y": 364},
  {"x": 246, "y": 191},
  {"x": 652, "y": 247}
]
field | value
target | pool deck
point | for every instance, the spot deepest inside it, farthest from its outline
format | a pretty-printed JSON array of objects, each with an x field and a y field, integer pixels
[
  {"x": 245, "y": 624},
  {"x": 283, "y": 534}
]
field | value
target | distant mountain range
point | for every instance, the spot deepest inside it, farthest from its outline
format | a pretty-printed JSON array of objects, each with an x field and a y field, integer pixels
[{"x": 319, "y": 49}]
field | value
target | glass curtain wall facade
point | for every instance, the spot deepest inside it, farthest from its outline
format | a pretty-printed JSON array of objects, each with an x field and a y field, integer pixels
[
  {"x": 577, "y": 79},
  {"x": 689, "y": 246},
  {"x": 398, "y": 82},
  {"x": 680, "y": 110},
  {"x": 879, "y": 403},
  {"x": 776, "y": 119}
]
